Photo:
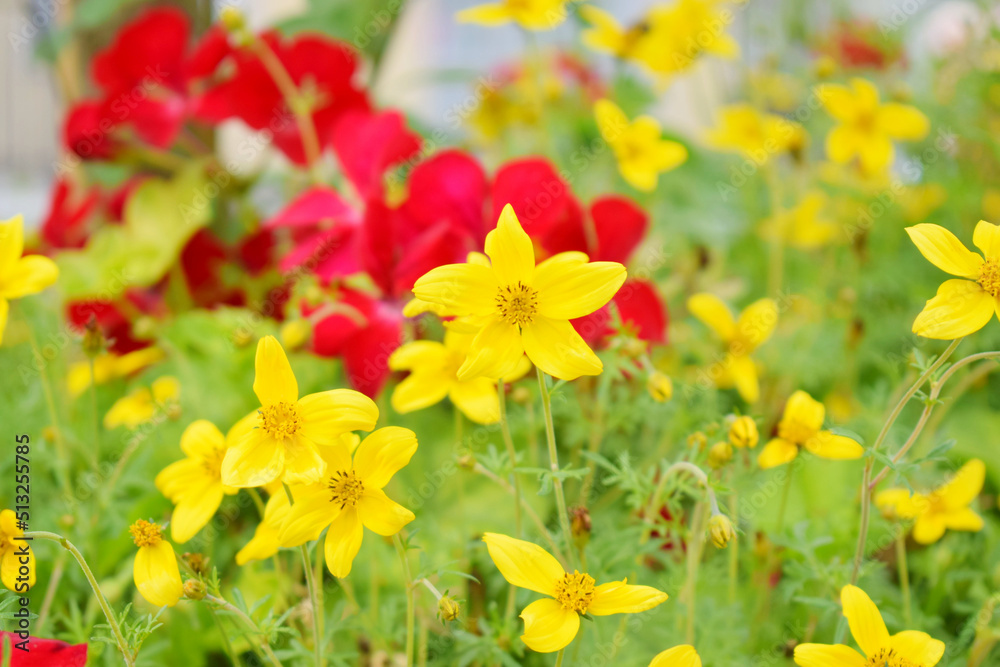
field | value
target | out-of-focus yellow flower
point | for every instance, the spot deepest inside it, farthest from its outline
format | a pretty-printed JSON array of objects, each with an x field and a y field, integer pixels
[
  {"x": 20, "y": 276},
  {"x": 433, "y": 375},
  {"x": 551, "y": 624},
  {"x": 678, "y": 656},
  {"x": 639, "y": 150},
  {"x": 778, "y": 90},
  {"x": 108, "y": 367},
  {"x": 801, "y": 426},
  {"x": 194, "y": 484},
  {"x": 755, "y": 135},
  {"x": 141, "y": 405},
  {"x": 350, "y": 498},
  {"x": 530, "y": 14},
  {"x": 743, "y": 432},
  {"x": 903, "y": 649},
  {"x": 919, "y": 201},
  {"x": 660, "y": 387},
  {"x": 296, "y": 333},
  {"x": 155, "y": 570},
  {"x": 720, "y": 454},
  {"x": 518, "y": 308},
  {"x": 680, "y": 33},
  {"x": 721, "y": 530},
  {"x": 282, "y": 439},
  {"x": 15, "y": 553},
  {"x": 741, "y": 336},
  {"x": 961, "y": 307},
  {"x": 606, "y": 35},
  {"x": 945, "y": 508},
  {"x": 865, "y": 127},
  {"x": 991, "y": 204},
  {"x": 448, "y": 608},
  {"x": 804, "y": 225}
]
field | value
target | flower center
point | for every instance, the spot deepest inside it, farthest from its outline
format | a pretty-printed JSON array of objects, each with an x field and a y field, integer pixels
[
  {"x": 212, "y": 462},
  {"x": 145, "y": 534},
  {"x": 280, "y": 420},
  {"x": 989, "y": 277},
  {"x": 517, "y": 304},
  {"x": 346, "y": 488},
  {"x": 575, "y": 591},
  {"x": 794, "y": 431},
  {"x": 887, "y": 657}
]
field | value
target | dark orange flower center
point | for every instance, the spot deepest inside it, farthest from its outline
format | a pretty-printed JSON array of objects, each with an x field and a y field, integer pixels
[
  {"x": 575, "y": 591},
  {"x": 517, "y": 304},
  {"x": 989, "y": 277},
  {"x": 888, "y": 657},
  {"x": 346, "y": 488},
  {"x": 145, "y": 534},
  {"x": 280, "y": 420}
]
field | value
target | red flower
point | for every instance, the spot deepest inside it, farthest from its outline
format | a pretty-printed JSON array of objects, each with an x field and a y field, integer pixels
[
  {"x": 115, "y": 319},
  {"x": 43, "y": 652},
  {"x": 65, "y": 224}
]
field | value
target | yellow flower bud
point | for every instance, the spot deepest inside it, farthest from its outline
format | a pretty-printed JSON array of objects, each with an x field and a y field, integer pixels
[
  {"x": 697, "y": 440},
  {"x": 232, "y": 18},
  {"x": 660, "y": 387},
  {"x": 448, "y": 608},
  {"x": 93, "y": 342},
  {"x": 720, "y": 454},
  {"x": 194, "y": 589},
  {"x": 521, "y": 395},
  {"x": 197, "y": 562},
  {"x": 721, "y": 530},
  {"x": 743, "y": 432},
  {"x": 295, "y": 333},
  {"x": 825, "y": 67},
  {"x": 634, "y": 348}
]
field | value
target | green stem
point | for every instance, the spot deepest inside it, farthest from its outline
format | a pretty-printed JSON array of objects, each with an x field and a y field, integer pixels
[
  {"x": 557, "y": 486},
  {"x": 410, "y": 598},
  {"x": 559, "y": 657},
  {"x": 317, "y": 612},
  {"x": 693, "y": 561},
  {"x": 101, "y": 600},
  {"x": 734, "y": 549},
  {"x": 515, "y": 484},
  {"x": 784, "y": 500},
  {"x": 652, "y": 509},
  {"x": 93, "y": 409},
  {"x": 904, "y": 575},
  {"x": 264, "y": 645},
  {"x": 50, "y": 593}
]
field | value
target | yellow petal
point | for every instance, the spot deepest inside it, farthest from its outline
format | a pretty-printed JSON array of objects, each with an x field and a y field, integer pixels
[
  {"x": 965, "y": 486},
  {"x": 555, "y": 347},
  {"x": 265, "y": 541},
  {"x": 462, "y": 289},
  {"x": 420, "y": 390},
  {"x": 917, "y": 647},
  {"x": 254, "y": 461},
  {"x": 929, "y": 528},
  {"x": 11, "y": 245},
  {"x": 201, "y": 439},
  {"x": 618, "y": 597},
  {"x": 548, "y": 626},
  {"x": 477, "y": 399},
  {"x": 510, "y": 251},
  {"x": 131, "y": 410},
  {"x": 343, "y": 541},
  {"x": 156, "y": 575},
  {"x": 4, "y": 311},
  {"x": 943, "y": 249},
  {"x": 776, "y": 453},
  {"x": 960, "y": 308},
  {"x": 864, "y": 619},
  {"x": 30, "y": 275},
  {"x": 876, "y": 153},
  {"x": 380, "y": 514},
  {"x": 11, "y": 564},
  {"x": 274, "y": 381},
  {"x": 195, "y": 510},
  {"x": 804, "y": 411},
  {"x": 823, "y": 655},
  {"x": 416, "y": 354},
  {"x": 892, "y": 499},
  {"x": 177, "y": 478},
  {"x": 303, "y": 463},
  {"x": 743, "y": 373},
  {"x": 838, "y": 100},
  {"x": 524, "y": 564},
  {"x": 678, "y": 656},
  {"x": 987, "y": 238},
  {"x": 495, "y": 352},
  {"x": 843, "y": 143},
  {"x": 639, "y": 176},
  {"x": 963, "y": 519},
  {"x": 568, "y": 288},
  {"x": 166, "y": 389},
  {"x": 713, "y": 313},
  {"x": 382, "y": 454},
  {"x": 329, "y": 414},
  {"x": 756, "y": 324},
  {"x": 901, "y": 121},
  {"x": 666, "y": 154},
  {"x": 311, "y": 512},
  {"x": 490, "y": 15},
  {"x": 606, "y": 35},
  {"x": 828, "y": 445},
  {"x": 611, "y": 121}
]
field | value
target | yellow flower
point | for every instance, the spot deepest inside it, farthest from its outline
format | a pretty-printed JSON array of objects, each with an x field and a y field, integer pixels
[
  {"x": 20, "y": 276},
  {"x": 296, "y": 333},
  {"x": 141, "y": 405},
  {"x": 15, "y": 554},
  {"x": 264, "y": 543},
  {"x": 530, "y": 14},
  {"x": 742, "y": 336},
  {"x": 660, "y": 387},
  {"x": 678, "y": 656},
  {"x": 961, "y": 307},
  {"x": 743, "y": 432},
  {"x": 801, "y": 426},
  {"x": 682, "y": 32},
  {"x": 155, "y": 570},
  {"x": 519, "y": 308},
  {"x": 945, "y": 508},
  {"x": 755, "y": 135},
  {"x": 909, "y": 648},
  {"x": 108, "y": 367},
  {"x": 640, "y": 152},
  {"x": 194, "y": 484},
  {"x": 803, "y": 226},
  {"x": 608, "y": 36},
  {"x": 865, "y": 127},
  {"x": 552, "y": 623},
  {"x": 721, "y": 530},
  {"x": 433, "y": 375},
  {"x": 282, "y": 441},
  {"x": 350, "y": 497}
]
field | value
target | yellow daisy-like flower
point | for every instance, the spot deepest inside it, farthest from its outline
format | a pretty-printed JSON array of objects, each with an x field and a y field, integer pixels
[
  {"x": 551, "y": 624},
  {"x": 804, "y": 225},
  {"x": 945, "y": 508},
  {"x": 681, "y": 32},
  {"x": 141, "y": 405},
  {"x": 155, "y": 570},
  {"x": 678, "y": 656},
  {"x": 108, "y": 367},
  {"x": 530, "y": 14},
  {"x": 194, "y": 484},
  {"x": 865, "y": 127},
  {"x": 757, "y": 136},
  {"x": 265, "y": 543},
  {"x": 640, "y": 152},
  {"x": 519, "y": 308},
  {"x": 20, "y": 276},
  {"x": 288, "y": 430},
  {"x": 801, "y": 426},
  {"x": 350, "y": 498},
  {"x": 961, "y": 307},
  {"x": 15, "y": 554},
  {"x": 433, "y": 375},
  {"x": 741, "y": 336},
  {"x": 909, "y": 648}
]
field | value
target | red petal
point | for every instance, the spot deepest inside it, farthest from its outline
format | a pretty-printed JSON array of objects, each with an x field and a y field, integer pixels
[
  {"x": 640, "y": 309},
  {"x": 449, "y": 186},
  {"x": 64, "y": 225},
  {"x": 368, "y": 145},
  {"x": 146, "y": 52},
  {"x": 44, "y": 652},
  {"x": 87, "y": 129},
  {"x": 541, "y": 199},
  {"x": 316, "y": 205},
  {"x": 620, "y": 226}
]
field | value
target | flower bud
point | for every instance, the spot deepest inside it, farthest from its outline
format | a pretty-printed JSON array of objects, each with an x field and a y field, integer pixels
[
  {"x": 295, "y": 333},
  {"x": 521, "y": 395},
  {"x": 743, "y": 432},
  {"x": 634, "y": 348},
  {"x": 660, "y": 387},
  {"x": 825, "y": 67},
  {"x": 194, "y": 589},
  {"x": 448, "y": 608},
  {"x": 197, "y": 562},
  {"x": 467, "y": 461},
  {"x": 697, "y": 440},
  {"x": 93, "y": 342},
  {"x": 580, "y": 525},
  {"x": 720, "y": 454},
  {"x": 721, "y": 530}
]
